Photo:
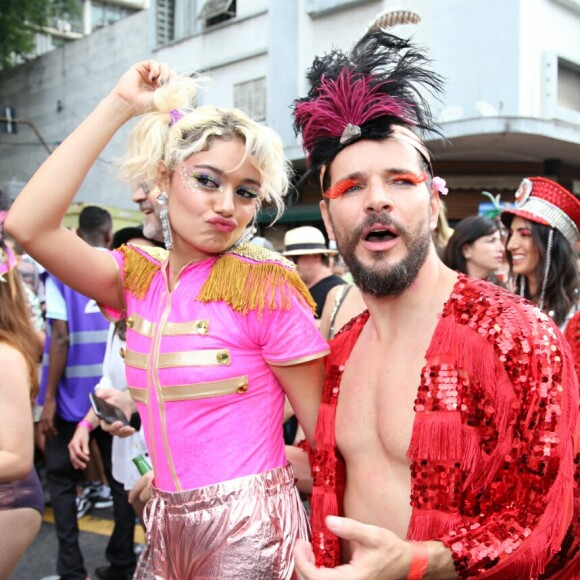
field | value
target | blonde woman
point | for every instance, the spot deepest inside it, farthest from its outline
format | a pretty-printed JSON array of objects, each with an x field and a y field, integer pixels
[{"x": 219, "y": 330}]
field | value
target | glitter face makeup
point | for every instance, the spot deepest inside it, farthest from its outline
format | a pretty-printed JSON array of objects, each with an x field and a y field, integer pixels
[{"x": 204, "y": 179}]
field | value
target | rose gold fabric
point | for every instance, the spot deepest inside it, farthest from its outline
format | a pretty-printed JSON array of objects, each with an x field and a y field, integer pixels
[{"x": 243, "y": 528}]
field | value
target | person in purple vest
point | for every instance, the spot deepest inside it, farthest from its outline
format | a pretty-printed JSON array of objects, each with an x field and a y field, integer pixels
[{"x": 78, "y": 336}]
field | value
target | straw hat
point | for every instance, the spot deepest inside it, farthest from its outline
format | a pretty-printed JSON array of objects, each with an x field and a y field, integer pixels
[
  {"x": 305, "y": 240},
  {"x": 546, "y": 202}
]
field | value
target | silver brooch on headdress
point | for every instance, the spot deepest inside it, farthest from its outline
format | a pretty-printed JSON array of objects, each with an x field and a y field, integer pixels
[
  {"x": 523, "y": 193},
  {"x": 350, "y": 132}
]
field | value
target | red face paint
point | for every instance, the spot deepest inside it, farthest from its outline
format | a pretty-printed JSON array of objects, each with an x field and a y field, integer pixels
[{"x": 524, "y": 232}]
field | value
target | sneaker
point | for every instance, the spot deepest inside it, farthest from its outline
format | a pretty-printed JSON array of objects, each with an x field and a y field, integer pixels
[
  {"x": 84, "y": 505},
  {"x": 100, "y": 495}
]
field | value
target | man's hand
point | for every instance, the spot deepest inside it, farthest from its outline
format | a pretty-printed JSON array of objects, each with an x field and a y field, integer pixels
[
  {"x": 140, "y": 493},
  {"x": 123, "y": 401},
  {"x": 46, "y": 423},
  {"x": 378, "y": 554},
  {"x": 78, "y": 448}
]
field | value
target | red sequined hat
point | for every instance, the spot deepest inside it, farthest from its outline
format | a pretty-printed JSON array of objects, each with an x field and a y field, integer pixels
[{"x": 546, "y": 202}]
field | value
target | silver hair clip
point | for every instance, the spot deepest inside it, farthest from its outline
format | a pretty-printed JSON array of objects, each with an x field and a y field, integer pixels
[{"x": 350, "y": 132}]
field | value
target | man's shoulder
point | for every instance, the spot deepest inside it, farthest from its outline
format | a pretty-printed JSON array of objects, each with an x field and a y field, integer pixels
[
  {"x": 328, "y": 283},
  {"x": 343, "y": 341},
  {"x": 493, "y": 311}
]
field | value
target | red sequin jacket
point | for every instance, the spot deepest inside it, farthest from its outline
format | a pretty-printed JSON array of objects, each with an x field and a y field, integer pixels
[{"x": 493, "y": 453}]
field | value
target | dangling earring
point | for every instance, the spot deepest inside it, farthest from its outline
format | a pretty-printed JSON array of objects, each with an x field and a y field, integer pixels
[
  {"x": 522, "y": 286},
  {"x": 248, "y": 234},
  {"x": 164, "y": 217},
  {"x": 549, "y": 245}
]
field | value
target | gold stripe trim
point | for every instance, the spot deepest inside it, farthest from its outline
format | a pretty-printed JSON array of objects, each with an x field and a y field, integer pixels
[
  {"x": 139, "y": 395},
  {"x": 136, "y": 360},
  {"x": 299, "y": 361},
  {"x": 204, "y": 390},
  {"x": 155, "y": 378},
  {"x": 195, "y": 358},
  {"x": 200, "y": 327},
  {"x": 140, "y": 325}
]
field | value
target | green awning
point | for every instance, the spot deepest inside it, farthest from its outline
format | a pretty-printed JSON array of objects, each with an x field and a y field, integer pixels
[{"x": 296, "y": 213}]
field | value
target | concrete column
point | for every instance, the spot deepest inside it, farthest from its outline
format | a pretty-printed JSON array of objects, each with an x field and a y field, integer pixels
[{"x": 282, "y": 81}]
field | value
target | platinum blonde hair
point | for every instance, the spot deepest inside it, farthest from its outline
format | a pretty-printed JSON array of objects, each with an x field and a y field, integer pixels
[{"x": 154, "y": 140}]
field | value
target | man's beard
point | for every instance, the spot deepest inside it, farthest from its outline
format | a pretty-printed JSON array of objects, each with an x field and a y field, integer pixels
[
  {"x": 152, "y": 228},
  {"x": 382, "y": 279}
]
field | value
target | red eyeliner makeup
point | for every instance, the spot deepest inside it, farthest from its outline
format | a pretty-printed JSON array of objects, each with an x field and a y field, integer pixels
[
  {"x": 339, "y": 188},
  {"x": 413, "y": 178}
]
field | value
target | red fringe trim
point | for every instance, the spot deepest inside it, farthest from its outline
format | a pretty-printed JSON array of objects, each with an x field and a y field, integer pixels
[
  {"x": 325, "y": 436},
  {"x": 429, "y": 524},
  {"x": 471, "y": 449},
  {"x": 436, "y": 436}
]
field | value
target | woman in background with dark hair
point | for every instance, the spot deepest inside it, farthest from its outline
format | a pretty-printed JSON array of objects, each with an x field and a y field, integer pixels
[
  {"x": 21, "y": 496},
  {"x": 475, "y": 248},
  {"x": 543, "y": 227}
]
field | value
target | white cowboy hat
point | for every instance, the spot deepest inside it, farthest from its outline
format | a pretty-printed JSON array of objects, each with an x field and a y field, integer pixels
[{"x": 305, "y": 240}]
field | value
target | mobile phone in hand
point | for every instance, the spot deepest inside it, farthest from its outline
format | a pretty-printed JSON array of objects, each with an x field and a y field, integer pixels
[{"x": 106, "y": 411}]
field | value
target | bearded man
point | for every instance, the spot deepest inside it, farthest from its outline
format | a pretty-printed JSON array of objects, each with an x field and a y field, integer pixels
[{"x": 446, "y": 439}]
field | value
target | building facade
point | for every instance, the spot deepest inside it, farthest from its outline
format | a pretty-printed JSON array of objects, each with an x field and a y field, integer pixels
[{"x": 511, "y": 109}]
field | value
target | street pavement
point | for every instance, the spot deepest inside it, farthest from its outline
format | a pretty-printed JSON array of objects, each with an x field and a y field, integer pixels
[{"x": 40, "y": 559}]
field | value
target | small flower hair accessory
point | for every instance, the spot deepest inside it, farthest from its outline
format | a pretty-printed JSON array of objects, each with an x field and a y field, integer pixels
[
  {"x": 174, "y": 116},
  {"x": 440, "y": 185}
]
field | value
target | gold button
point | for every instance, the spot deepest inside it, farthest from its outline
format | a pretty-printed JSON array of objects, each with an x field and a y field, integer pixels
[
  {"x": 223, "y": 357},
  {"x": 202, "y": 327},
  {"x": 122, "y": 352},
  {"x": 242, "y": 389},
  {"x": 130, "y": 322}
]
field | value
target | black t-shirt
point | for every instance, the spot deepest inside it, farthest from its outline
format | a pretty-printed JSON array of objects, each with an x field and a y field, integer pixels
[{"x": 320, "y": 290}]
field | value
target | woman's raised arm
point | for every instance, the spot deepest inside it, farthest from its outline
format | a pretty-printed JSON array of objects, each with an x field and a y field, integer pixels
[{"x": 35, "y": 217}]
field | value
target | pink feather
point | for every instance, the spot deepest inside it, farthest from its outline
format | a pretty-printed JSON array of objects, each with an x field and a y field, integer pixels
[{"x": 351, "y": 98}]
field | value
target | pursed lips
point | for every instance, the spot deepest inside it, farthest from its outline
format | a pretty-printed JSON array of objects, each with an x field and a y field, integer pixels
[{"x": 223, "y": 224}]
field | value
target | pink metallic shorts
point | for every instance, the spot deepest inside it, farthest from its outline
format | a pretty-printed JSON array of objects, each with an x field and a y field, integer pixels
[{"x": 243, "y": 528}]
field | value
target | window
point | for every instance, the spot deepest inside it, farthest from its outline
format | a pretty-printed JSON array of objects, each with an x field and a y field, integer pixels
[
  {"x": 216, "y": 11},
  {"x": 250, "y": 97},
  {"x": 165, "y": 21},
  {"x": 103, "y": 14},
  {"x": 568, "y": 85}
]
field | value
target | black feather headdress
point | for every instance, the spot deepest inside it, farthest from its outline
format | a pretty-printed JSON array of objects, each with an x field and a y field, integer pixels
[{"x": 364, "y": 94}]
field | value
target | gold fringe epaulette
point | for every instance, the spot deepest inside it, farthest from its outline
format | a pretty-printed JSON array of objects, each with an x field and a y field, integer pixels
[
  {"x": 139, "y": 268},
  {"x": 251, "y": 277}
]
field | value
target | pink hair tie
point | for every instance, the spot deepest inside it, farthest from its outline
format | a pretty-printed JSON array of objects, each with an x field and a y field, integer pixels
[
  {"x": 439, "y": 184},
  {"x": 174, "y": 116}
]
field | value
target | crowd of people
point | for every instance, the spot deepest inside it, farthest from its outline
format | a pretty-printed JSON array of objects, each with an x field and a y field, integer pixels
[{"x": 432, "y": 384}]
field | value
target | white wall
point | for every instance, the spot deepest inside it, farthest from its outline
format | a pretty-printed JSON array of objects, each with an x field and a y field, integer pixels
[
  {"x": 492, "y": 52},
  {"x": 77, "y": 76}
]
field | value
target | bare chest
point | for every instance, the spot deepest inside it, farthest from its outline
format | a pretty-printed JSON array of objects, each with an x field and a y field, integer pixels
[{"x": 375, "y": 411}]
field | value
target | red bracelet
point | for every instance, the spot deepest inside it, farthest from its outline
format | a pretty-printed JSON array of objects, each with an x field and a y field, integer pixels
[
  {"x": 85, "y": 423},
  {"x": 419, "y": 561}
]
